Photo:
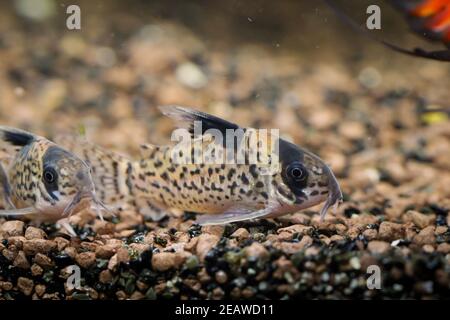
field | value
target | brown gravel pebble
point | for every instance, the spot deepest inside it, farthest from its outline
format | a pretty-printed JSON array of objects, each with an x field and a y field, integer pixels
[
  {"x": 36, "y": 270},
  {"x": 31, "y": 247},
  {"x": 221, "y": 277},
  {"x": 390, "y": 231},
  {"x": 85, "y": 259},
  {"x": 378, "y": 246},
  {"x": 105, "y": 252},
  {"x": 419, "y": 219},
  {"x": 35, "y": 233},
  {"x": 40, "y": 289},
  {"x": 105, "y": 276},
  {"x": 163, "y": 261},
  {"x": 240, "y": 234},
  {"x": 21, "y": 261},
  {"x": 425, "y": 236},
  {"x": 256, "y": 250},
  {"x": 205, "y": 243},
  {"x": 25, "y": 285},
  {"x": 43, "y": 260},
  {"x": 12, "y": 228}
]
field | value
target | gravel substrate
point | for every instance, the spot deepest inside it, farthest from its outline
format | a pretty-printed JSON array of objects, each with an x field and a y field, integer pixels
[{"x": 371, "y": 119}]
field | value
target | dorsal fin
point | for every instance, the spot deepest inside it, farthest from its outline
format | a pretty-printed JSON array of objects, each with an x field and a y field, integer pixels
[
  {"x": 186, "y": 117},
  {"x": 15, "y": 136}
]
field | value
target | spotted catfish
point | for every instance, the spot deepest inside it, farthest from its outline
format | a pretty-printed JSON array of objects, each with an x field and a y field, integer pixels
[
  {"x": 44, "y": 182},
  {"x": 223, "y": 193}
]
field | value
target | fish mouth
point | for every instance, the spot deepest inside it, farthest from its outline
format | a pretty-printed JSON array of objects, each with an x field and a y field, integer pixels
[
  {"x": 334, "y": 193},
  {"x": 86, "y": 195}
]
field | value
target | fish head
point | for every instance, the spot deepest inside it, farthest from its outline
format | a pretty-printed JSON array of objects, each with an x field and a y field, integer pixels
[
  {"x": 306, "y": 179},
  {"x": 65, "y": 178}
]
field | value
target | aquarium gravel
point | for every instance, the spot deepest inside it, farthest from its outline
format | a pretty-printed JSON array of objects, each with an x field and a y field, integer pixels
[{"x": 379, "y": 127}]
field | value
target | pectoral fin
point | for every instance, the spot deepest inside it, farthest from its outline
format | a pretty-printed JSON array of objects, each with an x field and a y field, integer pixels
[
  {"x": 235, "y": 215},
  {"x": 19, "y": 212}
]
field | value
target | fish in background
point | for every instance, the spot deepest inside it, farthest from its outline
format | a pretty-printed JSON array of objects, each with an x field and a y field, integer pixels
[
  {"x": 429, "y": 18},
  {"x": 221, "y": 193},
  {"x": 44, "y": 182}
]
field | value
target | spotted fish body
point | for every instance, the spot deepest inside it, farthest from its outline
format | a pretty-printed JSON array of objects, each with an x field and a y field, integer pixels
[
  {"x": 223, "y": 193},
  {"x": 44, "y": 182}
]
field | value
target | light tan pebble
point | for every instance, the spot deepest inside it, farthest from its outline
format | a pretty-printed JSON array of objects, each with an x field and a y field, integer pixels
[
  {"x": 36, "y": 270},
  {"x": 126, "y": 233},
  {"x": 443, "y": 248},
  {"x": 214, "y": 230},
  {"x": 217, "y": 293},
  {"x": 353, "y": 232},
  {"x": 9, "y": 254},
  {"x": 40, "y": 289},
  {"x": 370, "y": 234},
  {"x": 324, "y": 239},
  {"x": 12, "y": 228},
  {"x": 71, "y": 252},
  {"x": 352, "y": 129},
  {"x": 115, "y": 243},
  {"x": 440, "y": 230},
  {"x": 240, "y": 234},
  {"x": 296, "y": 218},
  {"x": 428, "y": 248},
  {"x": 25, "y": 285},
  {"x": 221, "y": 277},
  {"x": 340, "y": 229},
  {"x": 88, "y": 246},
  {"x": 336, "y": 237},
  {"x": 425, "y": 236},
  {"x": 163, "y": 261},
  {"x": 390, "y": 231},
  {"x": 35, "y": 233},
  {"x": 43, "y": 260},
  {"x": 6, "y": 285},
  {"x": 205, "y": 243},
  {"x": 122, "y": 256},
  {"x": 419, "y": 219},
  {"x": 103, "y": 227},
  {"x": 33, "y": 246},
  {"x": 85, "y": 259},
  {"x": 285, "y": 236},
  {"x": 105, "y": 252},
  {"x": 256, "y": 250},
  {"x": 121, "y": 295},
  {"x": 296, "y": 228},
  {"x": 393, "y": 214},
  {"x": 16, "y": 241},
  {"x": 105, "y": 276},
  {"x": 272, "y": 238},
  {"x": 293, "y": 247},
  {"x": 378, "y": 247},
  {"x": 363, "y": 219},
  {"x": 21, "y": 261},
  {"x": 61, "y": 243}
]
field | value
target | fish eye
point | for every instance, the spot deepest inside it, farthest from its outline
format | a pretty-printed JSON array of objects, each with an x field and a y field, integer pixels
[
  {"x": 49, "y": 175},
  {"x": 297, "y": 172}
]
